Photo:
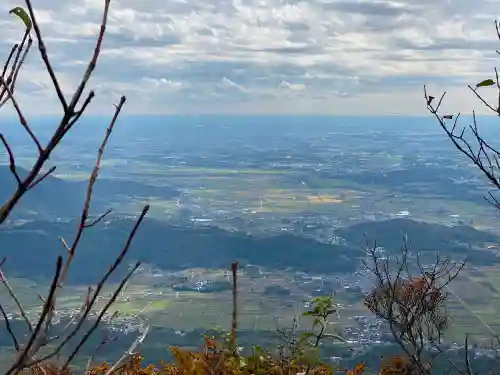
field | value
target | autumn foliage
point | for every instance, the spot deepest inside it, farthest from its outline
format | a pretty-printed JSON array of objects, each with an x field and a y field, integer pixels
[{"x": 212, "y": 359}]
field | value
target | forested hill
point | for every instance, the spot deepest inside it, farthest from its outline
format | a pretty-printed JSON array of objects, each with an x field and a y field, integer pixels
[
  {"x": 426, "y": 236},
  {"x": 461, "y": 241},
  {"x": 31, "y": 249},
  {"x": 58, "y": 197}
]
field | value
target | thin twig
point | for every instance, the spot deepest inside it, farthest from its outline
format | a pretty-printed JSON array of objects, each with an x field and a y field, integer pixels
[
  {"x": 22, "y": 119},
  {"x": 99, "y": 219},
  {"x": 98, "y": 289},
  {"x": 19, "y": 364},
  {"x": 41, "y": 178},
  {"x": 45, "y": 58},
  {"x": 12, "y": 160},
  {"x": 130, "y": 352},
  {"x": 9, "y": 328},
  {"x": 234, "y": 320},
  {"x": 100, "y": 316},
  {"x": 13, "y": 295}
]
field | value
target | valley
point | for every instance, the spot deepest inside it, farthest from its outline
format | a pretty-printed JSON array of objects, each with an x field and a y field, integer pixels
[{"x": 294, "y": 207}]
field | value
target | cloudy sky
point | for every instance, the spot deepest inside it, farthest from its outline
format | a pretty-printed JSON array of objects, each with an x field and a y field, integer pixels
[{"x": 263, "y": 56}]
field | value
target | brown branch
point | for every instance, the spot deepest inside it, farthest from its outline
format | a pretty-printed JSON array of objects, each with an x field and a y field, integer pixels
[
  {"x": 101, "y": 315},
  {"x": 100, "y": 218},
  {"x": 98, "y": 289},
  {"x": 6, "y": 65},
  {"x": 9, "y": 328},
  {"x": 19, "y": 364},
  {"x": 39, "y": 336},
  {"x": 13, "y": 295},
  {"x": 482, "y": 99},
  {"x": 75, "y": 318},
  {"x": 95, "y": 171},
  {"x": 22, "y": 119},
  {"x": 465, "y": 147},
  {"x": 12, "y": 75},
  {"x": 84, "y": 214},
  {"x": 130, "y": 352},
  {"x": 94, "y": 59},
  {"x": 21, "y": 63},
  {"x": 88, "y": 196},
  {"x": 412, "y": 306},
  {"x": 70, "y": 116},
  {"x": 234, "y": 320},
  {"x": 12, "y": 160},
  {"x": 41, "y": 178},
  {"x": 104, "y": 341},
  {"x": 79, "y": 113},
  {"x": 45, "y": 58}
]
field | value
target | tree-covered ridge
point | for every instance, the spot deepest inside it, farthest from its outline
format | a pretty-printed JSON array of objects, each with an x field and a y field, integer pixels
[
  {"x": 423, "y": 236},
  {"x": 60, "y": 198},
  {"x": 173, "y": 247},
  {"x": 168, "y": 247}
]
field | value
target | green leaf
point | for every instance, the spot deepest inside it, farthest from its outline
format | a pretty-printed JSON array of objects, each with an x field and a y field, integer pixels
[
  {"x": 310, "y": 313},
  {"x": 21, "y": 13},
  {"x": 486, "y": 82}
]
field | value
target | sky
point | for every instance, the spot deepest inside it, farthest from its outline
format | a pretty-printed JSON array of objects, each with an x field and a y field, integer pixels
[{"x": 343, "y": 57}]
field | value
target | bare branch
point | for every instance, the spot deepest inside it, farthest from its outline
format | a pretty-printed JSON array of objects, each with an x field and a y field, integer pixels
[
  {"x": 12, "y": 161},
  {"x": 412, "y": 306},
  {"x": 100, "y": 315},
  {"x": 20, "y": 65},
  {"x": 9, "y": 328},
  {"x": 6, "y": 65},
  {"x": 98, "y": 289},
  {"x": 41, "y": 178},
  {"x": 130, "y": 352},
  {"x": 100, "y": 218},
  {"x": 16, "y": 65},
  {"x": 21, "y": 359},
  {"x": 234, "y": 319},
  {"x": 482, "y": 99},
  {"x": 13, "y": 295},
  {"x": 79, "y": 113},
  {"x": 22, "y": 119},
  {"x": 104, "y": 341},
  {"x": 45, "y": 57},
  {"x": 95, "y": 57},
  {"x": 38, "y": 337},
  {"x": 485, "y": 157},
  {"x": 70, "y": 116}
]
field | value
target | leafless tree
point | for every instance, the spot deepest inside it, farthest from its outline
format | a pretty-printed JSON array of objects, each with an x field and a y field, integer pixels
[
  {"x": 38, "y": 333},
  {"x": 410, "y": 297},
  {"x": 480, "y": 151}
]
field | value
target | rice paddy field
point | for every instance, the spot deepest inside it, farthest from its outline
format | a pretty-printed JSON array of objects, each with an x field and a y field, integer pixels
[{"x": 162, "y": 306}]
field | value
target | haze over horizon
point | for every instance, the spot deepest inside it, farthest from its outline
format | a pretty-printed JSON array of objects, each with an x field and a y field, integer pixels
[{"x": 263, "y": 56}]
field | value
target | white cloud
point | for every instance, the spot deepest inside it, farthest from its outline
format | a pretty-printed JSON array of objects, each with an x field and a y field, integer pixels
[
  {"x": 293, "y": 86},
  {"x": 321, "y": 56}
]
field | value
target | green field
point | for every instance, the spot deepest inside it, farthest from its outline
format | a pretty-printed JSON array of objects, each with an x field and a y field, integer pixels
[{"x": 186, "y": 310}]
